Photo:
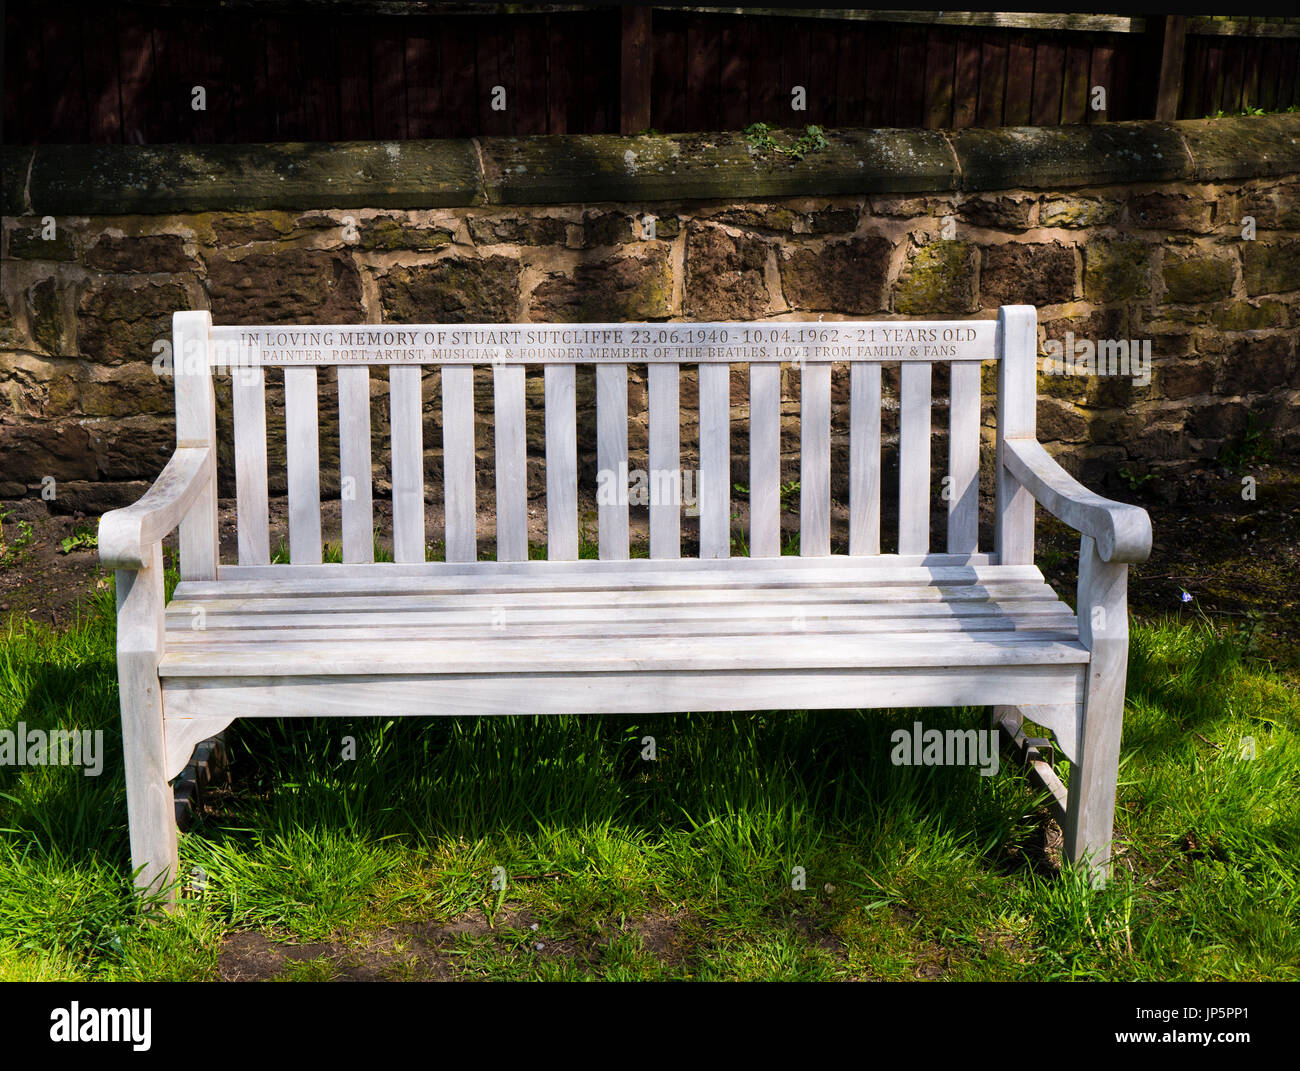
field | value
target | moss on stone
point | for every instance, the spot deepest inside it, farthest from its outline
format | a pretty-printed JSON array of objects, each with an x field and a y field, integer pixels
[
  {"x": 1116, "y": 270},
  {"x": 1197, "y": 279},
  {"x": 940, "y": 278}
]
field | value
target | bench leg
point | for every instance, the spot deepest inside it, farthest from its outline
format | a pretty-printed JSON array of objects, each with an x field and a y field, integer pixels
[
  {"x": 1103, "y": 629},
  {"x": 150, "y": 808}
]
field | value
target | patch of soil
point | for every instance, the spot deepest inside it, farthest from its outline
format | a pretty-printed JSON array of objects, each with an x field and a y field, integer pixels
[{"x": 424, "y": 951}]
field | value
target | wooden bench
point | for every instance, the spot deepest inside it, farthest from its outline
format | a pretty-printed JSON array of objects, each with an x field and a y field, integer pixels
[{"x": 915, "y": 627}]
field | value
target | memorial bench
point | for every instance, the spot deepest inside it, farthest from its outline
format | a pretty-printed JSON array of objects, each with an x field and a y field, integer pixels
[{"x": 865, "y": 629}]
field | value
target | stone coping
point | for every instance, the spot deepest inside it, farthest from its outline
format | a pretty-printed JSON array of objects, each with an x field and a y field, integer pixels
[{"x": 129, "y": 179}]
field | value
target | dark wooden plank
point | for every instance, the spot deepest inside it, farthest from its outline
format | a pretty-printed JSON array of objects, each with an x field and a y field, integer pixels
[
  {"x": 851, "y": 77},
  {"x": 1049, "y": 65},
  {"x": 207, "y": 68},
  {"x": 993, "y": 78},
  {"x": 940, "y": 64},
  {"x": 1125, "y": 100},
  {"x": 388, "y": 77},
  {"x": 1213, "y": 77},
  {"x": 734, "y": 81},
  {"x": 1018, "y": 103},
  {"x": 495, "y": 51},
  {"x": 529, "y": 113},
  {"x": 64, "y": 78},
  {"x": 881, "y": 77},
  {"x": 423, "y": 80},
  {"x": 24, "y": 122},
  {"x": 1270, "y": 67},
  {"x": 909, "y": 96},
  {"x": 136, "y": 67},
  {"x": 559, "y": 76},
  {"x": 600, "y": 43},
  {"x": 823, "y": 44},
  {"x": 668, "y": 92},
  {"x": 966, "y": 85},
  {"x": 1253, "y": 59},
  {"x": 1074, "y": 86},
  {"x": 1234, "y": 69},
  {"x": 173, "y": 79},
  {"x": 1286, "y": 81},
  {"x": 459, "y": 76},
  {"x": 356, "y": 108},
  {"x": 796, "y": 68},
  {"x": 1101, "y": 72},
  {"x": 319, "y": 54},
  {"x": 103, "y": 86},
  {"x": 703, "y": 72},
  {"x": 635, "y": 68}
]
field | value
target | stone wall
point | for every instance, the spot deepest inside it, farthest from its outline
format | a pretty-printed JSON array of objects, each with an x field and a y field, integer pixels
[{"x": 1135, "y": 234}]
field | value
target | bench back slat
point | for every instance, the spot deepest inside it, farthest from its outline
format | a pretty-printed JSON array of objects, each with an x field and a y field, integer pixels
[
  {"x": 715, "y": 460},
  {"x": 914, "y": 493},
  {"x": 963, "y": 457},
  {"x": 812, "y": 351},
  {"x": 407, "y": 440},
  {"x": 509, "y": 428},
  {"x": 815, "y": 460},
  {"x": 864, "y": 459},
  {"x": 355, "y": 481},
  {"x": 458, "y": 463},
  {"x": 765, "y": 461},
  {"x": 611, "y": 459},
  {"x": 196, "y": 425},
  {"x": 561, "y": 463},
  {"x": 302, "y": 452},
  {"x": 248, "y": 400},
  {"x": 663, "y": 388}
]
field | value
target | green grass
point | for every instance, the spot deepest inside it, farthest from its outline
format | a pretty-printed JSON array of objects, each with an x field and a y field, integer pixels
[{"x": 929, "y": 872}]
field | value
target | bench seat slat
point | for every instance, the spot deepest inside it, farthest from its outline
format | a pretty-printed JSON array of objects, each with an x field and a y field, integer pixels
[
  {"x": 612, "y": 654},
  {"x": 630, "y": 692}
]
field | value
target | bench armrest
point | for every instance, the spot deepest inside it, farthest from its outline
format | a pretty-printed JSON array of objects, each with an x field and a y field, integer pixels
[
  {"x": 125, "y": 535},
  {"x": 1122, "y": 532}
]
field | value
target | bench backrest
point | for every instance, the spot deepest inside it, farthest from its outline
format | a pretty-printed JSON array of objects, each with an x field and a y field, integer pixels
[{"x": 200, "y": 350}]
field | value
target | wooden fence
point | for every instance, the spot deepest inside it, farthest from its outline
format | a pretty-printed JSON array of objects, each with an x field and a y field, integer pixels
[{"x": 92, "y": 72}]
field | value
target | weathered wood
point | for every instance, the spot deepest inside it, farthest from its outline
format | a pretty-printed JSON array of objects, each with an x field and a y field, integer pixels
[
  {"x": 302, "y": 447},
  {"x": 511, "y": 464},
  {"x": 611, "y": 460},
  {"x": 914, "y": 460},
  {"x": 144, "y": 754},
  {"x": 815, "y": 460},
  {"x": 561, "y": 464},
  {"x": 355, "y": 488},
  {"x": 196, "y": 425},
  {"x": 715, "y": 461},
  {"x": 248, "y": 397},
  {"x": 635, "y": 70},
  {"x": 864, "y": 459},
  {"x": 665, "y": 461},
  {"x": 1016, "y": 415},
  {"x": 458, "y": 463},
  {"x": 1167, "y": 47},
  {"x": 630, "y": 692},
  {"x": 407, "y": 439},
  {"x": 764, "y": 461},
  {"x": 963, "y": 457},
  {"x": 1103, "y": 630},
  {"x": 714, "y": 632}
]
